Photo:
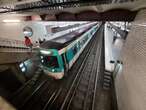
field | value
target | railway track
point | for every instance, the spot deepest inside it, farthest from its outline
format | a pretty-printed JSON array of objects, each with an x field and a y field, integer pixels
[
  {"x": 51, "y": 94},
  {"x": 83, "y": 94},
  {"x": 82, "y": 84}
]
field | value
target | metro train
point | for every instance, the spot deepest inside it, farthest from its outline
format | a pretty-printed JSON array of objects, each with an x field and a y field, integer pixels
[{"x": 58, "y": 55}]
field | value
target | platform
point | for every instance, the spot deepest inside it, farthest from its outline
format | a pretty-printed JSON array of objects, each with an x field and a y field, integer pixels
[{"x": 112, "y": 48}]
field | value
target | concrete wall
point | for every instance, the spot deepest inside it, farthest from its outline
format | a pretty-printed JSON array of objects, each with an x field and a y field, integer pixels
[
  {"x": 131, "y": 82},
  {"x": 11, "y": 30},
  {"x": 15, "y": 30}
]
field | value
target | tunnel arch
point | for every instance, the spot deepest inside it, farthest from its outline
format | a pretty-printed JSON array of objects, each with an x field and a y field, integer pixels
[
  {"x": 65, "y": 16},
  {"x": 91, "y": 15},
  {"x": 118, "y": 15},
  {"x": 88, "y": 15}
]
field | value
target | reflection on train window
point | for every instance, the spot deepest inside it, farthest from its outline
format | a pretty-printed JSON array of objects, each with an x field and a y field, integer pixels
[
  {"x": 84, "y": 40},
  {"x": 50, "y": 61},
  {"x": 81, "y": 43},
  {"x": 78, "y": 46}
]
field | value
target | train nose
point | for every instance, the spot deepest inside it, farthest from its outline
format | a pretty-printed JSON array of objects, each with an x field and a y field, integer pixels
[{"x": 56, "y": 75}]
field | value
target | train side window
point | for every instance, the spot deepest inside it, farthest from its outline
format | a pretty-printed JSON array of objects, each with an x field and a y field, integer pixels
[
  {"x": 91, "y": 32},
  {"x": 78, "y": 46},
  {"x": 64, "y": 60},
  {"x": 75, "y": 49},
  {"x": 69, "y": 55},
  {"x": 87, "y": 37},
  {"x": 82, "y": 42}
]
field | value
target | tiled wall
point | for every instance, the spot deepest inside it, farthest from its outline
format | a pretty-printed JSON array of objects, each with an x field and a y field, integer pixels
[{"x": 131, "y": 83}]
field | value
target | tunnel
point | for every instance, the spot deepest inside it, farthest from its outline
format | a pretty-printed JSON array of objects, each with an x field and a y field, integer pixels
[{"x": 72, "y": 54}]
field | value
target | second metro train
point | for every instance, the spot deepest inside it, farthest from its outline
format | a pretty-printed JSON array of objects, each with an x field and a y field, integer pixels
[{"x": 58, "y": 55}]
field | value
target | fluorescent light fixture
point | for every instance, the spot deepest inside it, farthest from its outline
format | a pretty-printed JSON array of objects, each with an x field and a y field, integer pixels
[
  {"x": 11, "y": 20},
  {"x": 45, "y": 52},
  {"x": 26, "y": 32},
  {"x": 141, "y": 25}
]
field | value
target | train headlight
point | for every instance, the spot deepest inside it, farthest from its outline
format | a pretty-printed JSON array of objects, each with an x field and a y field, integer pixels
[
  {"x": 45, "y": 52},
  {"x": 23, "y": 69},
  {"x": 53, "y": 70},
  {"x": 21, "y": 65},
  {"x": 42, "y": 57},
  {"x": 42, "y": 61}
]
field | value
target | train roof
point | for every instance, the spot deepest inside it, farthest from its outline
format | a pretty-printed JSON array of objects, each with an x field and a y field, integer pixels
[
  {"x": 63, "y": 41},
  {"x": 59, "y": 43},
  {"x": 51, "y": 45}
]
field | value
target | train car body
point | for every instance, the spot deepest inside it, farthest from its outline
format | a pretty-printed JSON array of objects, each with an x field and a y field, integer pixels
[{"x": 57, "y": 56}]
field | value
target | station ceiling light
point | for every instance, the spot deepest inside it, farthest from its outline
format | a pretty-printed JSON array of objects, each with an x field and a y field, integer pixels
[
  {"x": 11, "y": 20},
  {"x": 141, "y": 24}
]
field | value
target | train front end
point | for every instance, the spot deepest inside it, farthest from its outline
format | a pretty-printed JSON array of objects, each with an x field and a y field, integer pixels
[{"x": 51, "y": 63}]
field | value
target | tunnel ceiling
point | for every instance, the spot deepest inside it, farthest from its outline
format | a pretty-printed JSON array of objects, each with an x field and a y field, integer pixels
[
  {"x": 89, "y": 15},
  {"x": 76, "y": 10},
  {"x": 40, "y": 6}
]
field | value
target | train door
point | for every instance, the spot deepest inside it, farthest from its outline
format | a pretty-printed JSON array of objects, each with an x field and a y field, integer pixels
[{"x": 65, "y": 64}]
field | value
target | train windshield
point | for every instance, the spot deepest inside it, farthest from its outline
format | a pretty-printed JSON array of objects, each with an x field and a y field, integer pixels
[{"x": 50, "y": 61}]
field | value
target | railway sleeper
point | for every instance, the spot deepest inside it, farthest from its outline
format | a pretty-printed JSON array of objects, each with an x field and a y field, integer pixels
[
  {"x": 106, "y": 85},
  {"x": 80, "y": 96},
  {"x": 107, "y": 80},
  {"x": 107, "y": 77},
  {"x": 77, "y": 104},
  {"x": 84, "y": 81},
  {"x": 82, "y": 88},
  {"x": 107, "y": 73}
]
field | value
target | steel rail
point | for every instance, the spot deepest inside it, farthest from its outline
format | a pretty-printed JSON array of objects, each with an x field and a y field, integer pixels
[
  {"x": 89, "y": 85},
  {"x": 41, "y": 93},
  {"x": 55, "y": 97},
  {"x": 46, "y": 105},
  {"x": 98, "y": 69},
  {"x": 22, "y": 88},
  {"x": 29, "y": 97}
]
